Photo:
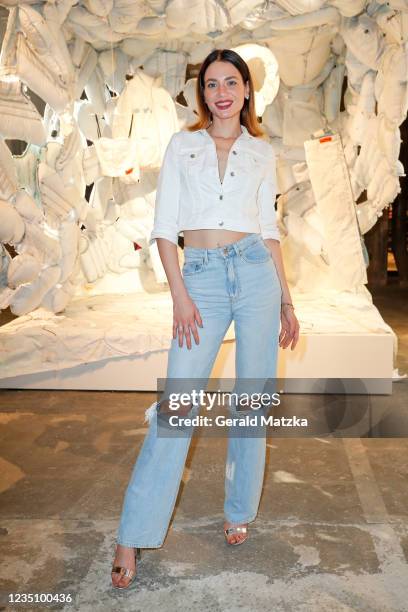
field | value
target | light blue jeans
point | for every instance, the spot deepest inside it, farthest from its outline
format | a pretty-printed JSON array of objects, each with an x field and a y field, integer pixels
[{"x": 238, "y": 282}]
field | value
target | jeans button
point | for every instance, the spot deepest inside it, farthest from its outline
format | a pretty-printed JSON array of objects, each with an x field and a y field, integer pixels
[{"x": 221, "y": 223}]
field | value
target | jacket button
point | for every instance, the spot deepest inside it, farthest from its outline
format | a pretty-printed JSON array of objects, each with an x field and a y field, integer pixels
[
  {"x": 232, "y": 173},
  {"x": 221, "y": 223},
  {"x": 234, "y": 152},
  {"x": 221, "y": 197},
  {"x": 192, "y": 155}
]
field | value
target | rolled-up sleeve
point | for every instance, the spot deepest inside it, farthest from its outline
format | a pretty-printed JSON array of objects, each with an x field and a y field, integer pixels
[
  {"x": 266, "y": 200},
  {"x": 167, "y": 197}
]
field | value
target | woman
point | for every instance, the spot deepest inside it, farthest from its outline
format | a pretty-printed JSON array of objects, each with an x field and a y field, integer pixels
[{"x": 218, "y": 185}]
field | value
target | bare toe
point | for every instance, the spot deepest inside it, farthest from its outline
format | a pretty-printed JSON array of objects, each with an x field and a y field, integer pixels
[
  {"x": 235, "y": 538},
  {"x": 124, "y": 557}
]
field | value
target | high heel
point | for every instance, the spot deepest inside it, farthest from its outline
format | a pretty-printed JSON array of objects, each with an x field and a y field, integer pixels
[
  {"x": 234, "y": 530},
  {"x": 126, "y": 572}
]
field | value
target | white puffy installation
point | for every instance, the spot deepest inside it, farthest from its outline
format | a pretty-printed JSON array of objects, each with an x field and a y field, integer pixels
[{"x": 109, "y": 73}]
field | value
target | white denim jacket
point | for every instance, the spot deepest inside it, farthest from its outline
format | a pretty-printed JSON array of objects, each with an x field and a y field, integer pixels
[{"x": 191, "y": 196}]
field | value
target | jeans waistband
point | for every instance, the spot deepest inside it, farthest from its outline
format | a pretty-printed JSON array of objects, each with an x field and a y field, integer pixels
[{"x": 224, "y": 251}]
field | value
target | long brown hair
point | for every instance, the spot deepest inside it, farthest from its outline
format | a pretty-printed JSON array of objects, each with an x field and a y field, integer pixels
[{"x": 248, "y": 115}]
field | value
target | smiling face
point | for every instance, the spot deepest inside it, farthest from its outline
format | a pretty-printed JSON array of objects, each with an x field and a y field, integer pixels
[{"x": 224, "y": 89}]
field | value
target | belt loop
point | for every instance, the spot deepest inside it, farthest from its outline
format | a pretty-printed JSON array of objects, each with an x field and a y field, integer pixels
[{"x": 206, "y": 256}]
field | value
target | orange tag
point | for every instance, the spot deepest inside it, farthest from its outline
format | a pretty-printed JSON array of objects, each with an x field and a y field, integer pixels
[
  {"x": 129, "y": 171},
  {"x": 325, "y": 139}
]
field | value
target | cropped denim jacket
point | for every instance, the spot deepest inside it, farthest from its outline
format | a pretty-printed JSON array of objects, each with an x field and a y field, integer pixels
[{"x": 191, "y": 196}]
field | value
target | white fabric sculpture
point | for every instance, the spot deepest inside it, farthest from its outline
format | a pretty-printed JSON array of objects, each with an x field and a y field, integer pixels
[
  {"x": 43, "y": 60},
  {"x": 264, "y": 72},
  {"x": 124, "y": 62},
  {"x": 196, "y": 16},
  {"x": 335, "y": 205},
  {"x": 20, "y": 120},
  {"x": 171, "y": 66},
  {"x": 154, "y": 118}
]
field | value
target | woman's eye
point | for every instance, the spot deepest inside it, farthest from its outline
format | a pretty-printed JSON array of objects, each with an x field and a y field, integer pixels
[
  {"x": 232, "y": 83},
  {"x": 211, "y": 85}
]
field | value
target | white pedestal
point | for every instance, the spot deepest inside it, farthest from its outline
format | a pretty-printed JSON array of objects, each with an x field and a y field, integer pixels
[
  {"x": 316, "y": 358},
  {"x": 121, "y": 342}
]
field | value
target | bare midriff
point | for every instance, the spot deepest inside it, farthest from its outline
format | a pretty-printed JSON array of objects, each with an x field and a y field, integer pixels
[{"x": 211, "y": 238}]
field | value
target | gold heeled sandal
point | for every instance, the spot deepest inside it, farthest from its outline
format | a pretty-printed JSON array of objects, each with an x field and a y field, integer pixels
[
  {"x": 236, "y": 530},
  {"x": 126, "y": 572}
]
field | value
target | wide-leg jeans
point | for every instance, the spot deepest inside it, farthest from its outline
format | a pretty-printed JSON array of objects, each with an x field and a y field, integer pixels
[{"x": 237, "y": 282}]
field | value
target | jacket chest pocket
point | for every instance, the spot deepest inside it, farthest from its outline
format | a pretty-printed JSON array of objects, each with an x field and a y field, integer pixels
[
  {"x": 243, "y": 170},
  {"x": 193, "y": 162}
]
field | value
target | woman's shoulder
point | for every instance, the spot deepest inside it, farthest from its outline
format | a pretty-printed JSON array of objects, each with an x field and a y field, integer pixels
[
  {"x": 187, "y": 138},
  {"x": 262, "y": 146}
]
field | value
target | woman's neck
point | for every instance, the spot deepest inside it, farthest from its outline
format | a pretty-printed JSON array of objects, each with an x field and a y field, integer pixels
[{"x": 225, "y": 128}]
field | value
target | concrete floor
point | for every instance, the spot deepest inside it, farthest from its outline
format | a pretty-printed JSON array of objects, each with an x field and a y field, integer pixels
[{"x": 331, "y": 533}]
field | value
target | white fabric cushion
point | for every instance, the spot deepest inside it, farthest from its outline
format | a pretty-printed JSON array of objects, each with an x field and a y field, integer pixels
[
  {"x": 301, "y": 120},
  {"x": 39, "y": 77},
  {"x": 97, "y": 91},
  {"x": 85, "y": 113},
  {"x": 102, "y": 8},
  {"x": 332, "y": 88},
  {"x": 391, "y": 85},
  {"x": 197, "y": 16},
  {"x": 58, "y": 297},
  {"x": 90, "y": 27},
  {"x": 126, "y": 14},
  {"x": 363, "y": 39},
  {"x": 86, "y": 66},
  {"x": 171, "y": 66},
  {"x": 348, "y": 8},
  {"x": 27, "y": 208},
  {"x": 301, "y": 54},
  {"x": 394, "y": 24},
  {"x": 69, "y": 240},
  {"x": 20, "y": 119},
  {"x": 299, "y": 7},
  {"x": 8, "y": 58},
  {"x": 362, "y": 110},
  {"x": 23, "y": 268},
  {"x": 326, "y": 16},
  {"x": 90, "y": 163},
  {"x": 28, "y": 297},
  {"x": 240, "y": 9},
  {"x": 50, "y": 48},
  {"x": 114, "y": 64},
  {"x": 44, "y": 248},
  {"x": 11, "y": 224},
  {"x": 8, "y": 174}
]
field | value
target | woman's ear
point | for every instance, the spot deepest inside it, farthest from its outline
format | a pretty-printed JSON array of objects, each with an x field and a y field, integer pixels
[{"x": 247, "y": 90}]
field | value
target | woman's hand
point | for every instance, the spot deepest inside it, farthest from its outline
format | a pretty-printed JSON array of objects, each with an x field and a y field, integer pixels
[
  {"x": 185, "y": 315},
  {"x": 289, "y": 327}
]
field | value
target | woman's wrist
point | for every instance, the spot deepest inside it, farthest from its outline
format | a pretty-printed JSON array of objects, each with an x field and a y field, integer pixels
[{"x": 287, "y": 305}]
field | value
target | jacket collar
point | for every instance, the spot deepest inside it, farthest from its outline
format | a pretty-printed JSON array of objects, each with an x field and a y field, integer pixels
[{"x": 244, "y": 134}]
